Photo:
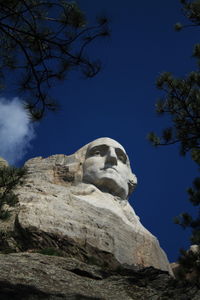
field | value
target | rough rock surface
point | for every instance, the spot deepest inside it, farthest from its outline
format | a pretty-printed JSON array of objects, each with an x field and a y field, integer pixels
[
  {"x": 3, "y": 162},
  {"x": 78, "y": 219},
  {"x": 32, "y": 276}
]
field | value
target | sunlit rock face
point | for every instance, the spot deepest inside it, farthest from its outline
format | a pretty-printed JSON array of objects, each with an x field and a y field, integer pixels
[
  {"x": 106, "y": 165},
  {"x": 79, "y": 205},
  {"x": 3, "y": 162}
]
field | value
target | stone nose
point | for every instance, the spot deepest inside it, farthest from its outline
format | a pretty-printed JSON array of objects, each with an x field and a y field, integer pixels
[{"x": 111, "y": 157}]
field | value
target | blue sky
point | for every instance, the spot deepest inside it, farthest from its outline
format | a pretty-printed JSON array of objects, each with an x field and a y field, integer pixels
[{"x": 119, "y": 103}]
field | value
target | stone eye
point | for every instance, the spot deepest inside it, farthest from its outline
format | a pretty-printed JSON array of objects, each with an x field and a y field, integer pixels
[
  {"x": 97, "y": 152},
  {"x": 121, "y": 156}
]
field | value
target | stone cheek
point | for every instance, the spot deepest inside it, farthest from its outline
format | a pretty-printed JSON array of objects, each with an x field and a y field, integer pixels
[{"x": 81, "y": 221}]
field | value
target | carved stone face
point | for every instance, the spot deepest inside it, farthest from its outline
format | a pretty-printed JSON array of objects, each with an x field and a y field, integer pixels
[{"x": 107, "y": 166}]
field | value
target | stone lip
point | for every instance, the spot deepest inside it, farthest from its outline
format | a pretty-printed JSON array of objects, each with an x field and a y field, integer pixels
[
  {"x": 56, "y": 210},
  {"x": 27, "y": 276}
]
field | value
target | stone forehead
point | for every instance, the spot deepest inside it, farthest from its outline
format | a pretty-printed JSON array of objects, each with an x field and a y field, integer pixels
[{"x": 105, "y": 141}]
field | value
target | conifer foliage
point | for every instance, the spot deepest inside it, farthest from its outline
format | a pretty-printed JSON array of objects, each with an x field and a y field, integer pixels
[
  {"x": 190, "y": 260},
  {"x": 185, "y": 220},
  {"x": 43, "y": 41},
  {"x": 181, "y": 101},
  {"x": 181, "y": 98},
  {"x": 10, "y": 177}
]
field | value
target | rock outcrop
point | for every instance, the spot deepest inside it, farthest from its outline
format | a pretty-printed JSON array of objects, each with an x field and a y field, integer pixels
[
  {"x": 33, "y": 276},
  {"x": 3, "y": 162},
  {"x": 76, "y": 208},
  {"x": 78, "y": 219}
]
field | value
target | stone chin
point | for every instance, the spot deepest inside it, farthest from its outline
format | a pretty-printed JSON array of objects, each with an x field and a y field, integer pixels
[{"x": 108, "y": 183}]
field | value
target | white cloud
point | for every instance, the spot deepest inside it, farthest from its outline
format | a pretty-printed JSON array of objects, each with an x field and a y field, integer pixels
[{"x": 16, "y": 130}]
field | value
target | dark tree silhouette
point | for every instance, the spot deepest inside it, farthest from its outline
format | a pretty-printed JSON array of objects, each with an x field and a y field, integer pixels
[
  {"x": 10, "y": 177},
  {"x": 43, "y": 41},
  {"x": 181, "y": 101}
]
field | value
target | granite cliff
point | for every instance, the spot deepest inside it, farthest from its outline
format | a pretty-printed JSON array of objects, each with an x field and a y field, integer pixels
[
  {"x": 78, "y": 211},
  {"x": 33, "y": 276}
]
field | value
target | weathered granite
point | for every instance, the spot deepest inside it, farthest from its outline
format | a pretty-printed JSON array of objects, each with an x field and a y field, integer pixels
[
  {"x": 57, "y": 209},
  {"x": 32, "y": 276},
  {"x": 3, "y": 162},
  {"x": 188, "y": 271}
]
